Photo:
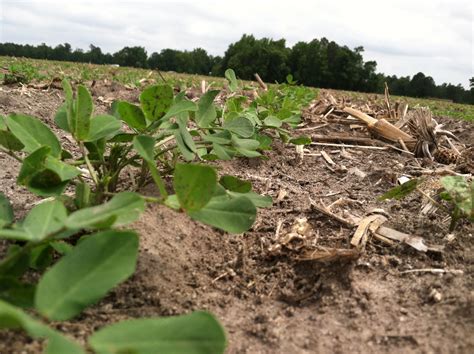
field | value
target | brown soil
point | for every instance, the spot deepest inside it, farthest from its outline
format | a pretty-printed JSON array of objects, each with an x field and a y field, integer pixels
[{"x": 271, "y": 302}]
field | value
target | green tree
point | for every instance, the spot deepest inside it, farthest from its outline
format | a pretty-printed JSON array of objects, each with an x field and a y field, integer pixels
[
  {"x": 131, "y": 56},
  {"x": 62, "y": 52},
  {"x": 265, "y": 56}
]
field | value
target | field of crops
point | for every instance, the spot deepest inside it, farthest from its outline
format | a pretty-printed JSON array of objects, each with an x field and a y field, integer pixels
[
  {"x": 31, "y": 70},
  {"x": 146, "y": 212}
]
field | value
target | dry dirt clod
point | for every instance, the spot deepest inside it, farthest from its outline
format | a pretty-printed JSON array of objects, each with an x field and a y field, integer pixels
[{"x": 435, "y": 296}]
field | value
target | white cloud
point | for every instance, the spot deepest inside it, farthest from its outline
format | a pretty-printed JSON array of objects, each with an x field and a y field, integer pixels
[{"x": 403, "y": 36}]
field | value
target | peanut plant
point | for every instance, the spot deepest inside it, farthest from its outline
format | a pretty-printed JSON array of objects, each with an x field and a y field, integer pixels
[{"x": 75, "y": 239}]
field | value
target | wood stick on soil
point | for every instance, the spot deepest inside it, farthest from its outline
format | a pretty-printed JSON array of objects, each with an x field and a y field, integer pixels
[
  {"x": 402, "y": 144},
  {"x": 361, "y": 233},
  {"x": 434, "y": 271},
  {"x": 260, "y": 82},
  {"x": 328, "y": 113},
  {"x": 352, "y": 146},
  {"x": 326, "y": 157},
  {"x": 344, "y": 139},
  {"x": 325, "y": 211},
  {"x": 313, "y": 128}
]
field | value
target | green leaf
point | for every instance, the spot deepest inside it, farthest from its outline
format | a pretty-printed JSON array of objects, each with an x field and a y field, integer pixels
[
  {"x": 9, "y": 141},
  {"x": 145, "y": 146},
  {"x": 103, "y": 126},
  {"x": 188, "y": 155},
  {"x": 301, "y": 140},
  {"x": 83, "y": 195},
  {"x": 44, "y": 219},
  {"x": 122, "y": 209},
  {"x": 32, "y": 164},
  {"x": 61, "y": 118},
  {"x": 122, "y": 138},
  {"x": 240, "y": 126},
  {"x": 70, "y": 106},
  {"x": 96, "y": 149},
  {"x": 272, "y": 121},
  {"x": 39, "y": 180},
  {"x": 66, "y": 155},
  {"x": 235, "y": 184},
  {"x": 185, "y": 141},
  {"x": 64, "y": 171},
  {"x": 206, "y": 113},
  {"x": 68, "y": 94},
  {"x": 461, "y": 193},
  {"x": 84, "y": 108},
  {"x": 194, "y": 185},
  {"x": 85, "y": 275},
  {"x": 196, "y": 333},
  {"x": 260, "y": 201},
  {"x": 6, "y": 211},
  {"x": 46, "y": 184},
  {"x": 12, "y": 317},
  {"x": 15, "y": 292},
  {"x": 246, "y": 147},
  {"x": 265, "y": 142},
  {"x": 223, "y": 137},
  {"x": 41, "y": 257},
  {"x": 230, "y": 76},
  {"x": 33, "y": 134},
  {"x": 62, "y": 247},
  {"x": 156, "y": 101},
  {"x": 14, "y": 234},
  {"x": 132, "y": 115},
  {"x": 236, "y": 104},
  {"x": 172, "y": 202},
  {"x": 248, "y": 144},
  {"x": 234, "y": 215},
  {"x": 293, "y": 120},
  {"x": 17, "y": 265},
  {"x": 223, "y": 152},
  {"x": 402, "y": 190},
  {"x": 180, "y": 107}
]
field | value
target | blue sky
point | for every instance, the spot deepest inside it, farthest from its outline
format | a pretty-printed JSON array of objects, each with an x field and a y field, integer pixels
[{"x": 403, "y": 36}]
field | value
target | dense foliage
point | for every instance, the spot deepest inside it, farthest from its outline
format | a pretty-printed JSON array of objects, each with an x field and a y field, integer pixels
[
  {"x": 74, "y": 241},
  {"x": 318, "y": 63}
]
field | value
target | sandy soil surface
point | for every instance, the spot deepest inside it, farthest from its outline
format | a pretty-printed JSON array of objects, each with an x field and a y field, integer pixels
[{"x": 271, "y": 301}]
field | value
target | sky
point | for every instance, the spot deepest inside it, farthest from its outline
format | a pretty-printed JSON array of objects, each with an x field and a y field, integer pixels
[{"x": 403, "y": 36}]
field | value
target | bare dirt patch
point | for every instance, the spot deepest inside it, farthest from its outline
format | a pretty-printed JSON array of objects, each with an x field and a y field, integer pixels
[{"x": 274, "y": 303}]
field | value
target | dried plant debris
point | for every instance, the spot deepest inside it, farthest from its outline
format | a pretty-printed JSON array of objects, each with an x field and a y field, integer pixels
[
  {"x": 413, "y": 130},
  {"x": 300, "y": 244},
  {"x": 465, "y": 162},
  {"x": 428, "y": 134},
  {"x": 295, "y": 239}
]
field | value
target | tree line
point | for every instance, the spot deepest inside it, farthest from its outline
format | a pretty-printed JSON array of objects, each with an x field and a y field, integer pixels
[{"x": 318, "y": 63}]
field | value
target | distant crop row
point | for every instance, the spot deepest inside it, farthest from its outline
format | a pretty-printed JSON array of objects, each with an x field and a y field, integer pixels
[{"x": 29, "y": 70}]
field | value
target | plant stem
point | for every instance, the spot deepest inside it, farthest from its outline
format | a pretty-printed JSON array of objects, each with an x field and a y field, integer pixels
[
  {"x": 164, "y": 141},
  {"x": 158, "y": 180},
  {"x": 88, "y": 163}
]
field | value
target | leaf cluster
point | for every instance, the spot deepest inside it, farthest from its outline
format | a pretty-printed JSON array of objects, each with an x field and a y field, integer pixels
[{"x": 75, "y": 238}]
